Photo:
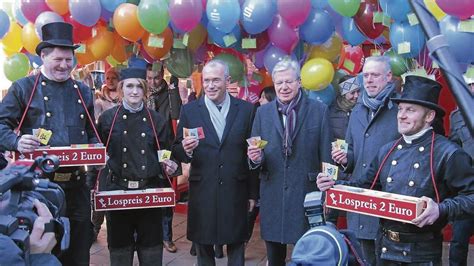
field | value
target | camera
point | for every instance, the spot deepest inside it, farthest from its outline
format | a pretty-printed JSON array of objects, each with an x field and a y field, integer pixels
[
  {"x": 20, "y": 185},
  {"x": 313, "y": 208}
]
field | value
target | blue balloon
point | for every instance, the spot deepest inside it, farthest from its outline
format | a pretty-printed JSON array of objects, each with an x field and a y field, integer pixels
[
  {"x": 351, "y": 33},
  {"x": 256, "y": 14},
  {"x": 219, "y": 37},
  {"x": 223, "y": 14},
  {"x": 273, "y": 55},
  {"x": 137, "y": 62},
  {"x": 18, "y": 14},
  {"x": 402, "y": 32},
  {"x": 459, "y": 42},
  {"x": 111, "y": 5},
  {"x": 319, "y": 4},
  {"x": 326, "y": 95},
  {"x": 396, "y": 9},
  {"x": 318, "y": 27},
  {"x": 4, "y": 23},
  {"x": 35, "y": 61}
]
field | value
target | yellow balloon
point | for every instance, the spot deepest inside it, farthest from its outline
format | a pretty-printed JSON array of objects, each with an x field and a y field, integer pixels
[
  {"x": 329, "y": 50},
  {"x": 102, "y": 43},
  {"x": 29, "y": 38},
  {"x": 434, "y": 9},
  {"x": 12, "y": 40},
  {"x": 317, "y": 74}
]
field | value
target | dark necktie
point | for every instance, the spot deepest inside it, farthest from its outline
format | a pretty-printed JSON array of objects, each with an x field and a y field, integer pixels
[{"x": 219, "y": 107}]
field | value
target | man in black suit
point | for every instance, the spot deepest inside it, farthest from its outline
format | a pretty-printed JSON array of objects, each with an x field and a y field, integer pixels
[{"x": 220, "y": 188}]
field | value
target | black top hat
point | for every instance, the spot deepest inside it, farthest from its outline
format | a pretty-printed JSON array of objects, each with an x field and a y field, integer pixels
[
  {"x": 133, "y": 72},
  {"x": 56, "y": 34},
  {"x": 421, "y": 91}
]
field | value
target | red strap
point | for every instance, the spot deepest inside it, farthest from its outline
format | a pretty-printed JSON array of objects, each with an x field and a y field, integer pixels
[
  {"x": 27, "y": 106},
  {"x": 383, "y": 163}
]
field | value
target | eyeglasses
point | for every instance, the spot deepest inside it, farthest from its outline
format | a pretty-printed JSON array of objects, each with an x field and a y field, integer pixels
[
  {"x": 213, "y": 81},
  {"x": 288, "y": 82}
]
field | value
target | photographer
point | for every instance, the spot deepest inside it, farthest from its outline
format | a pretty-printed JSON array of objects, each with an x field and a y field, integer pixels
[{"x": 41, "y": 243}]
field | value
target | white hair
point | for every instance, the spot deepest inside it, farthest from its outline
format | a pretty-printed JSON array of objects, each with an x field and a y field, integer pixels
[
  {"x": 384, "y": 60},
  {"x": 286, "y": 64},
  {"x": 216, "y": 63}
]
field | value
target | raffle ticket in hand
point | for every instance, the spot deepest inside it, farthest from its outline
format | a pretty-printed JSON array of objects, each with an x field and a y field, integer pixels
[
  {"x": 330, "y": 170},
  {"x": 257, "y": 141},
  {"x": 197, "y": 132}
]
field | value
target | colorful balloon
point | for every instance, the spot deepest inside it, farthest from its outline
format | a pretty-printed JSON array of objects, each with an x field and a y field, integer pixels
[
  {"x": 398, "y": 64},
  {"x": 283, "y": 35},
  {"x": 236, "y": 68},
  {"x": 16, "y": 66},
  {"x": 153, "y": 15},
  {"x": 29, "y": 38},
  {"x": 462, "y": 9},
  {"x": 316, "y": 74},
  {"x": 351, "y": 33},
  {"x": 223, "y": 14},
  {"x": 4, "y": 23},
  {"x": 351, "y": 59},
  {"x": 396, "y": 9},
  {"x": 111, "y": 5},
  {"x": 180, "y": 63},
  {"x": 157, "y": 46},
  {"x": 197, "y": 37},
  {"x": 18, "y": 14},
  {"x": 126, "y": 22},
  {"x": 459, "y": 42},
  {"x": 273, "y": 55},
  {"x": 102, "y": 43},
  {"x": 329, "y": 50},
  {"x": 294, "y": 12},
  {"x": 86, "y": 12},
  {"x": 119, "y": 51},
  {"x": 59, "y": 6},
  {"x": 434, "y": 9},
  {"x": 256, "y": 15},
  {"x": 326, "y": 95},
  {"x": 85, "y": 58},
  {"x": 365, "y": 17},
  {"x": 225, "y": 40},
  {"x": 45, "y": 18},
  {"x": 347, "y": 8},
  {"x": 12, "y": 40},
  {"x": 318, "y": 28},
  {"x": 80, "y": 32},
  {"x": 185, "y": 14},
  {"x": 402, "y": 33},
  {"x": 32, "y": 8}
]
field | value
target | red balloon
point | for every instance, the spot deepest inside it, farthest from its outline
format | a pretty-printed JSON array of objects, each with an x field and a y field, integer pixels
[
  {"x": 80, "y": 32},
  {"x": 351, "y": 59},
  {"x": 219, "y": 50},
  {"x": 262, "y": 41},
  {"x": 364, "y": 19}
]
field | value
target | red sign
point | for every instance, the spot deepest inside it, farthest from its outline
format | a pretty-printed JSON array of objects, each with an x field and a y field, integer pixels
[
  {"x": 77, "y": 155},
  {"x": 374, "y": 203},
  {"x": 134, "y": 199}
]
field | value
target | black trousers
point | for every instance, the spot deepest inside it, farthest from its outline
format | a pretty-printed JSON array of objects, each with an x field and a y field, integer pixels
[
  {"x": 459, "y": 248},
  {"x": 276, "y": 253},
  {"x": 78, "y": 210},
  {"x": 235, "y": 254}
]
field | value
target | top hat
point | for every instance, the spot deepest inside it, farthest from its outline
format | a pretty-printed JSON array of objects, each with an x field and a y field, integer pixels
[
  {"x": 421, "y": 91},
  {"x": 56, "y": 34},
  {"x": 133, "y": 72}
]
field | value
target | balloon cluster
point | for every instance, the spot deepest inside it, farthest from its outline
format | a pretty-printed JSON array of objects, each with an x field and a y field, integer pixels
[{"x": 323, "y": 35}]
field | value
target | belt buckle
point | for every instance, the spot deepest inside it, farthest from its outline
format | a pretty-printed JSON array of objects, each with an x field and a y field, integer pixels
[
  {"x": 132, "y": 184},
  {"x": 62, "y": 177},
  {"x": 394, "y": 236}
]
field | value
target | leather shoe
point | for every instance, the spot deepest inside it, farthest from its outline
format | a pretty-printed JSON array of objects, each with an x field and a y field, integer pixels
[
  {"x": 170, "y": 246},
  {"x": 192, "y": 251},
  {"x": 218, "y": 252}
]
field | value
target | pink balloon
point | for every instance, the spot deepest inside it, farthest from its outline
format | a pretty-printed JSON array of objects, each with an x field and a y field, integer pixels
[
  {"x": 32, "y": 8},
  {"x": 463, "y": 9},
  {"x": 295, "y": 12},
  {"x": 185, "y": 14},
  {"x": 283, "y": 35}
]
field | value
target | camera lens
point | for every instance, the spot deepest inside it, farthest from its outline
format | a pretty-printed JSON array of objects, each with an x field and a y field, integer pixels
[{"x": 49, "y": 163}]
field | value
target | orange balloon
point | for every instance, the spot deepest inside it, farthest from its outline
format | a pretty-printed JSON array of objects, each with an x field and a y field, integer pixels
[
  {"x": 329, "y": 50},
  {"x": 119, "y": 53},
  {"x": 266, "y": 78},
  {"x": 102, "y": 43},
  {"x": 12, "y": 40},
  {"x": 126, "y": 22},
  {"x": 59, "y": 6},
  {"x": 29, "y": 38},
  {"x": 164, "y": 40},
  {"x": 85, "y": 58},
  {"x": 197, "y": 37}
]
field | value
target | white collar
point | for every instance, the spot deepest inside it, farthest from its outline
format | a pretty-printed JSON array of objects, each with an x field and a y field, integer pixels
[{"x": 411, "y": 138}]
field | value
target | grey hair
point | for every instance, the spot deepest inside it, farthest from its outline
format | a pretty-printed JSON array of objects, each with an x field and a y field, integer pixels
[
  {"x": 48, "y": 50},
  {"x": 385, "y": 60},
  {"x": 217, "y": 62},
  {"x": 287, "y": 64}
]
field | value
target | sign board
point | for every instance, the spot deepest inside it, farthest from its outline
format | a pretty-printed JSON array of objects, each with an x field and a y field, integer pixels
[
  {"x": 75, "y": 155},
  {"x": 133, "y": 199},
  {"x": 374, "y": 203}
]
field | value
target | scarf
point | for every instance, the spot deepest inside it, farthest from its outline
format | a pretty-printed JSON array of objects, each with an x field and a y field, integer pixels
[
  {"x": 289, "y": 110},
  {"x": 374, "y": 103},
  {"x": 344, "y": 104},
  {"x": 131, "y": 109},
  {"x": 150, "y": 102},
  {"x": 218, "y": 118}
]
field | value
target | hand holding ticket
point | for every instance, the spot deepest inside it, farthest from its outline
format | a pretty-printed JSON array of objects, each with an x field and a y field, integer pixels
[
  {"x": 163, "y": 155},
  {"x": 330, "y": 170},
  {"x": 197, "y": 132},
  {"x": 340, "y": 144},
  {"x": 43, "y": 135},
  {"x": 257, "y": 141}
]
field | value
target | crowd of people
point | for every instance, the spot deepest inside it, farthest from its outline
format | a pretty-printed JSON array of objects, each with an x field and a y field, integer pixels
[{"x": 394, "y": 144}]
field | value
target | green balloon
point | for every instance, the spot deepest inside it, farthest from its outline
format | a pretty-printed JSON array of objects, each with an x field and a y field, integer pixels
[
  {"x": 180, "y": 63},
  {"x": 236, "y": 68},
  {"x": 16, "y": 66},
  {"x": 398, "y": 63},
  {"x": 153, "y": 15},
  {"x": 347, "y": 8}
]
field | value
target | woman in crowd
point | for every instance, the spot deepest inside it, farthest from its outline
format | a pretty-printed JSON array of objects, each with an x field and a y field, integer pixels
[
  {"x": 133, "y": 135},
  {"x": 108, "y": 96},
  {"x": 267, "y": 95}
]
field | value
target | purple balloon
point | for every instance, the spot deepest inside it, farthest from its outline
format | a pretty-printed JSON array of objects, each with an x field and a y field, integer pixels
[
  {"x": 32, "y": 8},
  {"x": 273, "y": 55},
  {"x": 260, "y": 56},
  {"x": 45, "y": 18},
  {"x": 185, "y": 14},
  {"x": 85, "y": 12},
  {"x": 283, "y": 35},
  {"x": 106, "y": 15}
]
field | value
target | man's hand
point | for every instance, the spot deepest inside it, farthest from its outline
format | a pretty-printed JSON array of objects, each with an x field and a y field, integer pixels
[
  {"x": 28, "y": 143},
  {"x": 429, "y": 215},
  {"x": 170, "y": 166},
  {"x": 254, "y": 153},
  {"x": 339, "y": 156},
  {"x": 324, "y": 182},
  {"x": 251, "y": 204},
  {"x": 190, "y": 143},
  {"x": 41, "y": 242}
]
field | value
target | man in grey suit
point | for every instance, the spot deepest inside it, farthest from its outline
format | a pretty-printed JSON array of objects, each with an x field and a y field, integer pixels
[
  {"x": 299, "y": 137},
  {"x": 220, "y": 187},
  {"x": 372, "y": 124}
]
